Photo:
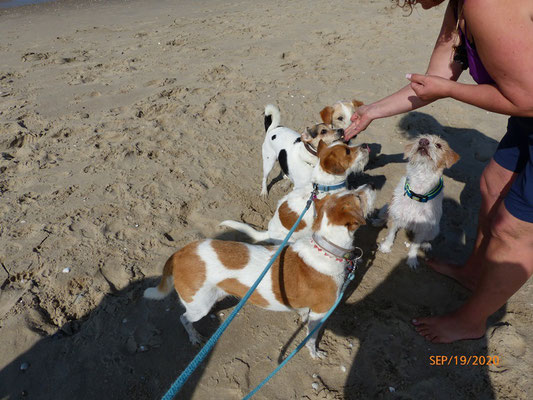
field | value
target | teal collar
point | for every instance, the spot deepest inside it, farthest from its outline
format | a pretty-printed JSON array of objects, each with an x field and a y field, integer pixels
[
  {"x": 423, "y": 198},
  {"x": 329, "y": 188}
]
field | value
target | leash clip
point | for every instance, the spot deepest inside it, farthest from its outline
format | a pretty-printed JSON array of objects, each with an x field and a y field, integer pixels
[{"x": 314, "y": 193}]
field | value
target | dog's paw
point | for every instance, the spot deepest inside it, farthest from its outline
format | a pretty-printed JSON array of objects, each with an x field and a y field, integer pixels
[
  {"x": 197, "y": 340},
  {"x": 412, "y": 262},
  {"x": 426, "y": 246},
  {"x": 317, "y": 354},
  {"x": 385, "y": 247}
]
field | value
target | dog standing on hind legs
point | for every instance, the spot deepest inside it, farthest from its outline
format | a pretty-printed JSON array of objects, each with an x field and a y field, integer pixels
[
  {"x": 306, "y": 277},
  {"x": 416, "y": 204}
]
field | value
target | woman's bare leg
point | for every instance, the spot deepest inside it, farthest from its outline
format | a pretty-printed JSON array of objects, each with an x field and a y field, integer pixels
[
  {"x": 507, "y": 265},
  {"x": 494, "y": 185}
]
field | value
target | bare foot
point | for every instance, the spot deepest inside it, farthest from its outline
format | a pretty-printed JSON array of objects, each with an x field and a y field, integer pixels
[
  {"x": 454, "y": 271},
  {"x": 449, "y": 328}
]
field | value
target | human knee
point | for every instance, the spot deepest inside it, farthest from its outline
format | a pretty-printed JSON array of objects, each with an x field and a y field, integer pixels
[{"x": 503, "y": 228}]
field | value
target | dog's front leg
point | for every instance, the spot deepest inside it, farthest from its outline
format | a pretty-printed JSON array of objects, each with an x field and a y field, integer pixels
[
  {"x": 386, "y": 245},
  {"x": 314, "y": 320},
  {"x": 422, "y": 236}
]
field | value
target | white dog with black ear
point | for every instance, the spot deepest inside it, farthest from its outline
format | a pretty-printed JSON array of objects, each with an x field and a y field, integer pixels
[
  {"x": 296, "y": 153},
  {"x": 417, "y": 200}
]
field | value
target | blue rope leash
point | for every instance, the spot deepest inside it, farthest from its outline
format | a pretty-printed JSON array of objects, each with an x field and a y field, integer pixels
[
  {"x": 349, "y": 278},
  {"x": 180, "y": 381}
]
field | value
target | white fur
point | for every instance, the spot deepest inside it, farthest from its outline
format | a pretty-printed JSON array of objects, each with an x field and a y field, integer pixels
[{"x": 422, "y": 219}]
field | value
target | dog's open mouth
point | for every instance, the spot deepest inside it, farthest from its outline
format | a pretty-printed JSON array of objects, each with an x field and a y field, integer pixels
[{"x": 423, "y": 150}]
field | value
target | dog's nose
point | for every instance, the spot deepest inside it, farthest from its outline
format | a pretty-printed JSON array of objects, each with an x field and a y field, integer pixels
[
  {"x": 423, "y": 142},
  {"x": 340, "y": 132}
]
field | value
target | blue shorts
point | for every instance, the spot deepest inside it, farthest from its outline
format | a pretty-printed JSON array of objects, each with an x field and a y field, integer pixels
[{"x": 515, "y": 153}]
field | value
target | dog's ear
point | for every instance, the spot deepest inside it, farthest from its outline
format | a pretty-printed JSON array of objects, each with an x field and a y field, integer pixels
[
  {"x": 307, "y": 136},
  {"x": 321, "y": 147},
  {"x": 408, "y": 149},
  {"x": 357, "y": 103},
  {"x": 332, "y": 165},
  {"x": 327, "y": 115},
  {"x": 450, "y": 157},
  {"x": 355, "y": 221}
]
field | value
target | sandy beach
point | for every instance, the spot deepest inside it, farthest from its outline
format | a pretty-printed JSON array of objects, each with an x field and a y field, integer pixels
[{"x": 130, "y": 128}]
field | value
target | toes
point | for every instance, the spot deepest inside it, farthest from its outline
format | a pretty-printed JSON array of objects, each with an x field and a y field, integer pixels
[{"x": 431, "y": 338}]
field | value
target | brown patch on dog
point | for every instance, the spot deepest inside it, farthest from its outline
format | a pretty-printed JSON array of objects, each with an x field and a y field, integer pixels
[
  {"x": 337, "y": 159},
  {"x": 188, "y": 270},
  {"x": 234, "y": 287},
  {"x": 297, "y": 285},
  {"x": 357, "y": 103},
  {"x": 449, "y": 157},
  {"x": 289, "y": 217},
  {"x": 233, "y": 255},
  {"x": 326, "y": 114},
  {"x": 346, "y": 210}
]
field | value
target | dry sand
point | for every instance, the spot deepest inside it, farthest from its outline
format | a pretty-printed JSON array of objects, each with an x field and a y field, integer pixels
[{"x": 130, "y": 128}]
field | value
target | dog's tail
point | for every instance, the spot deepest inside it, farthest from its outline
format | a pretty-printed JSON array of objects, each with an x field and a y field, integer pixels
[
  {"x": 272, "y": 117},
  {"x": 165, "y": 286},
  {"x": 257, "y": 236}
]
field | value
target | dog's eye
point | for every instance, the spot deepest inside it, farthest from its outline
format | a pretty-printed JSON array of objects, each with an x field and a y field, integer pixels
[
  {"x": 347, "y": 152},
  {"x": 439, "y": 146},
  {"x": 323, "y": 131},
  {"x": 341, "y": 118}
]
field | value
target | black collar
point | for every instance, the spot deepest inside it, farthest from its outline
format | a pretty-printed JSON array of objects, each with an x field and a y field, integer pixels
[{"x": 310, "y": 149}]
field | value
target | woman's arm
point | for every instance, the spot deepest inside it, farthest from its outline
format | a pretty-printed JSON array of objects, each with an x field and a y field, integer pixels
[
  {"x": 503, "y": 33},
  {"x": 441, "y": 64}
]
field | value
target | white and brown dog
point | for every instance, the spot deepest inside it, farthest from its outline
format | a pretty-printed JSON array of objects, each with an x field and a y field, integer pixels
[
  {"x": 338, "y": 115},
  {"x": 306, "y": 277},
  {"x": 296, "y": 153},
  {"x": 416, "y": 204},
  {"x": 336, "y": 162}
]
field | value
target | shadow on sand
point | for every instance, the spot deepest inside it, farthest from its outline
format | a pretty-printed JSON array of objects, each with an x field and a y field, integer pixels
[
  {"x": 394, "y": 365},
  {"x": 125, "y": 348}
]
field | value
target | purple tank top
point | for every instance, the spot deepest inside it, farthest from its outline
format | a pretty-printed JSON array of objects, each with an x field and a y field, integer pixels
[{"x": 475, "y": 65}]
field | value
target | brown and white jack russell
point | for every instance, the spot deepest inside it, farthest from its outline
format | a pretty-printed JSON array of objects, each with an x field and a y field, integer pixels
[
  {"x": 306, "y": 277},
  {"x": 336, "y": 162},
  {"x": 339, "y": 115}
]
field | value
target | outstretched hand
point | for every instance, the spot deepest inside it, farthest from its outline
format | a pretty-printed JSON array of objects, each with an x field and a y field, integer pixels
[
  {"x": 429, "y": 87},
  {"x": 360, "y": 120}
]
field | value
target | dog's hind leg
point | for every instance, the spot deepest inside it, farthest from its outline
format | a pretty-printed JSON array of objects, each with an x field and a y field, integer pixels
[
  {"x": 202, "y": 303},
  {"x": 314, "y": 320},
  {"x": 269, "y": 159}
]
